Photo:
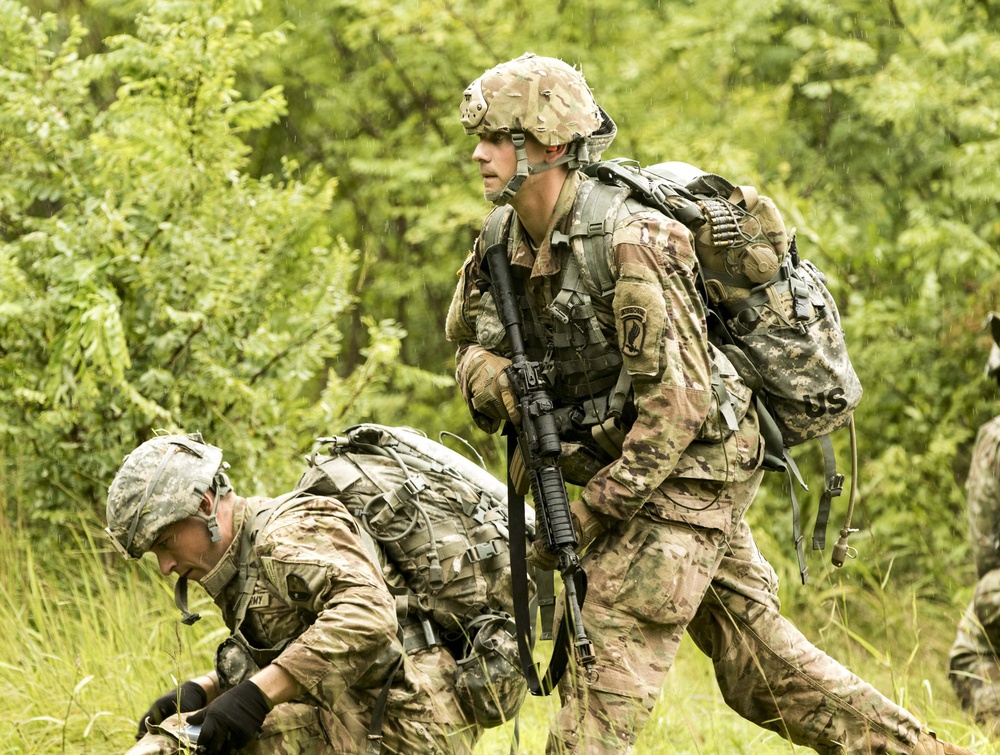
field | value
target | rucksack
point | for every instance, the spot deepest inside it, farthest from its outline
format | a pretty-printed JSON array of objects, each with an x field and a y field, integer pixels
[
  {"x": 769, "y": 311},
  {"x": 442, "y": 522}
]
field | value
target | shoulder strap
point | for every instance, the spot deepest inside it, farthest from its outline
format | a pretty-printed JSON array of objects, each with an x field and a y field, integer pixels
[
  {"x": 594, "y": 216},
  {"x": 249, "y": 570}
]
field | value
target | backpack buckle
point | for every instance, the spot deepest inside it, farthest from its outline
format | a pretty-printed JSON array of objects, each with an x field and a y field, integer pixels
[
  {"x": 482, "y": 551},
  {"x": 413, "y": 486},
  {"x": 558, "y": 238},
  {"x": 835, "y": 484},
  {"x": 559, "y": 313}
]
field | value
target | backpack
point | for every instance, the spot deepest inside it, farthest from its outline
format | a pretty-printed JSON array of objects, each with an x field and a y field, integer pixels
[
  {"x": 442, "y": 522},
  {"x": 769, "y": 311}
]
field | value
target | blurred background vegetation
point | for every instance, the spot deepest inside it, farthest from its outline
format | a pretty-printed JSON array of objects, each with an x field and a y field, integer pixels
[{"x": 245, "y": 218}]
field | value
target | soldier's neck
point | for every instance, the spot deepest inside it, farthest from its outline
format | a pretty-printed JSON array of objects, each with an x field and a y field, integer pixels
[{"x": 536, "y": 201}]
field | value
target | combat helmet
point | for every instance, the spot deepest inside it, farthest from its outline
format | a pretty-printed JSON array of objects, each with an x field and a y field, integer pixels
[
  {"x": 992, "y": 369},
  {"x": 546, "y": 98},
  {"x": 161, "y": 482}
]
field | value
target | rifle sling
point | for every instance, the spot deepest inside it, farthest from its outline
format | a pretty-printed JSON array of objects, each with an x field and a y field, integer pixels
[{"x": 523, "y": 618}]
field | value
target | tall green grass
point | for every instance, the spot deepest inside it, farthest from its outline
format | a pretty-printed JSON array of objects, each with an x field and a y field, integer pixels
[{"x": 88, "y": 641}]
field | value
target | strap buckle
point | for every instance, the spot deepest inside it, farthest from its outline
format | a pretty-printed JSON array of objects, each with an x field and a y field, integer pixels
[
  {"x": 835, "y": 484},
  {"x": 481, "y": 551}
]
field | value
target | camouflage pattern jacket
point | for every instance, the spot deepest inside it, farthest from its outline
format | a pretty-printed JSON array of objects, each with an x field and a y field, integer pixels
[
  {"x": 320, "y": 609},
  {"x": 655, "y": 321},
  {"x": 982, "y": 490},
  {"x": 973, "y": 658}
]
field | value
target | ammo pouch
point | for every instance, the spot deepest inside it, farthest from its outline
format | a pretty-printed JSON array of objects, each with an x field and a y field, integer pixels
[
  {"x": 236, "y": 660},
  {"x": 489, "y": 681}
]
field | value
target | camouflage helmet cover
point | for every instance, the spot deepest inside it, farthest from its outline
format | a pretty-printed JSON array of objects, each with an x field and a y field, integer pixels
[
  {"x": 541, "y": 96},
  {"x": 161, "y": 482},
  {"x": 992, "y": 369}
]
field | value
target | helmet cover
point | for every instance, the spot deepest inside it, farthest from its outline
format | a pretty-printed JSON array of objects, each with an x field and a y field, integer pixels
[
  {"x": 544, "y": 97},
  {"x": 161, "y": 482}
]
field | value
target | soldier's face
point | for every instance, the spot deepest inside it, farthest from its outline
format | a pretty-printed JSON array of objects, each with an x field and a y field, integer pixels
[
  {"x": 497, "y": 160},
  {"x": 185, "y": 548}
]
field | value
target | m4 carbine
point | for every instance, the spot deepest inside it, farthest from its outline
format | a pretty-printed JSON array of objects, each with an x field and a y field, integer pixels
[{"x": 538, "y": 440}]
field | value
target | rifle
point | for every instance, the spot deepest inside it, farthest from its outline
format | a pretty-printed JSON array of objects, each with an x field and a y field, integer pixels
[{"x": 539, "y": 444}]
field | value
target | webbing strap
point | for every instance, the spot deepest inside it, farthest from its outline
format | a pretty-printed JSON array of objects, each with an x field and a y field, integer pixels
[
  {"x": 181, "y": 601},
  {"x": 796, "y": 520},
  {"x": 378, "y": 712},
  {"x": 834, "y": 487},
  {"x": 778, "y": 459},
  {"x": 599, "y": 210},
  {"x": 545, "y": 596},
  {"x": 248, "y": 571},
  {"x": 523, "y": 619},
  {"x": 725, "y": 402},
  {"x": 495, "y": 228}
]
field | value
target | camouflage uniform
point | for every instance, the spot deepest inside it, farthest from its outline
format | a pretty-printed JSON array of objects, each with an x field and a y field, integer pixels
[
  {"x": 320, "y": 600},
  {"x": 679, "y": 555},
  {"x": 974, "y": 667}
]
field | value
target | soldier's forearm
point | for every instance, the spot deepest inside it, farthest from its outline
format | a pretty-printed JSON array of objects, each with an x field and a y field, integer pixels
[
  {"x": 210, "y": 683},
  {"x": 278, "y": 685}
]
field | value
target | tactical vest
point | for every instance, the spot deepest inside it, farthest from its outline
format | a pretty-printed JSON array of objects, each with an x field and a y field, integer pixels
[{"x": 566, "y": 338}]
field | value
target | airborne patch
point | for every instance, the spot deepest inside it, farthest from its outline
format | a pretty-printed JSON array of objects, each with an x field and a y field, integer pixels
[
  {"x": 632, "y": 329},
  {"x": 297, "y": 588}
]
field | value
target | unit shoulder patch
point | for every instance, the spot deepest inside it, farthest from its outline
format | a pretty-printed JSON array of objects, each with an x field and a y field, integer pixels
[{"x": 632, "y": 329}]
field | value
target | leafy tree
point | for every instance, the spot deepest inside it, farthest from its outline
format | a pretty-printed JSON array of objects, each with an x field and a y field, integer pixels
[{"x": 147, "y": 280}]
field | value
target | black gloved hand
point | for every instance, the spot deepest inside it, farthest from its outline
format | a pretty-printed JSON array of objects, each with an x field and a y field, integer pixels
[
  {"x": 190, "y": 696},
  {"x": 232, "y": 719}
]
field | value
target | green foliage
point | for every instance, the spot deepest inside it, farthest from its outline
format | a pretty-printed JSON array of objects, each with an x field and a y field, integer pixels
[
  {"x": 174, "y": 251},
  {"x": 147, "y": 281}
]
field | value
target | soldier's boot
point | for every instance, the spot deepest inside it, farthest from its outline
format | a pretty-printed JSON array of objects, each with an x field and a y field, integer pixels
[{"x": 929, "y": 744}]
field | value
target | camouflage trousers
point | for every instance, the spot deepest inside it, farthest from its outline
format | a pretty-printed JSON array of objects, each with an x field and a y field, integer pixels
[
  {"x": 649, "y": 581},
  {"x": 973, "y": 666},
  {"x": 301, "y": 729}
]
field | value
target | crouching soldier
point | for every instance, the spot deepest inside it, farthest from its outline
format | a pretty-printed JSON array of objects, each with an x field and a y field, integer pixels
[{"x": 316, "y": 660}]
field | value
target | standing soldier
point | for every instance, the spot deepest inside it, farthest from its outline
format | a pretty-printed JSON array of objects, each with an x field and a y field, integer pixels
[
  {"x": 974, "y": 668},
  {"x": 666, "y": 548},
  {"x": 315, "y": 662}
]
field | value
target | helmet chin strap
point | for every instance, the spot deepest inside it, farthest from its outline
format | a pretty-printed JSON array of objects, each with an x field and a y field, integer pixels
[
  {"x": 181, "y": 601},
  {"x": 503, "y": 196},
  {"x": 220, "y": 488}
]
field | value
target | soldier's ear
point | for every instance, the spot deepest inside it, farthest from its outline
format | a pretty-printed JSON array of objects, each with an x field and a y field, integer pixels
[
  {"x": 206, "y": 503},
  {"x": 555, "y": 152}
]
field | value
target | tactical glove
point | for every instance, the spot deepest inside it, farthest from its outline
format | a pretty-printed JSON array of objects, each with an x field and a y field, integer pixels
[
  {"x": 190, "y": 696},
  {"x": 232, "y": 719},
  {"x": 483, "y": 378},
  {"x": 587, "y": 524}
]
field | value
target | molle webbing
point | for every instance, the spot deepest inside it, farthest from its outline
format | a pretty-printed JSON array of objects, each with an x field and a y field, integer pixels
[
  {"x": 575, "y": 348},
  {"x": 566, "y": 338},
  {"x": 595, "y": 212}
]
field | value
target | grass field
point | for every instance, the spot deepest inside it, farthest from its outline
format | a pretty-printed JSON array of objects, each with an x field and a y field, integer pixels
[{"x": 88, "y": 642}]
